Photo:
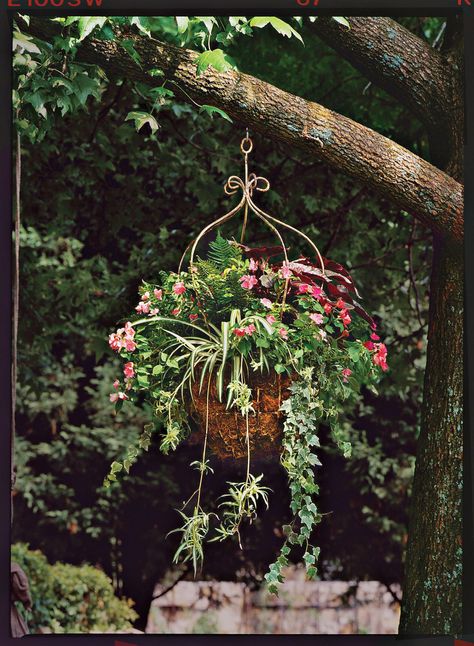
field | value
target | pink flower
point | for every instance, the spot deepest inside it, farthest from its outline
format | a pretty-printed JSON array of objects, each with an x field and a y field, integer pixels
[
  {"x": 158, "y": 293},
  {"x": 115, "y": 342},
  {"x": 248, "y": 282},
  {"x": 193, "y": 317},
  {"x": 303, "y": 288},
  {"x": 316, "y": 291},
  {"x": 369, "y": 345},
  {"x": 316, "y": 318},
  {"x": 283, "y": 333},
  {"x": 286, "y": 271},
  {"x": 271, "y": 319},
  {"x": 344, "y": 316},
  {"x": 250, "y": 329},
  {"x": 238, "y": 331},
  {"x": 146, "y": 296},
  {"x": 340, "y": 304},
  {"x": 128, "y": 329},
  {"x": 346, "y": 373},
  {"x": 128, "y": 370},
  {"x": 266, "y": 302},
  {"x": 116, "y": 396},
  {"x": 130, "y": 344},
  {"x": 143, "y": 308},
  {"x": 179, "y": 288},
  {"x": 328, "y": 308},
  {"x": 154, "y": 311},
  {"x": 176, "y": 311},
  {"x": 380, "y": 356},
  {"x": 116, "y": 384},
  {"x": 374, "y": 337},
  {"x": 253, "y": 266}
]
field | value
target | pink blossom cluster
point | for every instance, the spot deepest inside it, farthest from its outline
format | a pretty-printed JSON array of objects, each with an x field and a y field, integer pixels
[
  {"x": 346, "y": 373},
  {"x": 129, "y": 372},
  {"x": 248, "y": 281},
  {"x": 144, "y": 306},
  {"x": 123, "y": 338},
  {"x": 248, "y": 330},
  {"x": 312, "y": 290},
  {"x": 379, "y": 350}
]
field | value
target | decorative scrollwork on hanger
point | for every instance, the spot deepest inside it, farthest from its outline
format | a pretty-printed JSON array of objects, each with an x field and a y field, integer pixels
[{"x": 248, "y": 185}]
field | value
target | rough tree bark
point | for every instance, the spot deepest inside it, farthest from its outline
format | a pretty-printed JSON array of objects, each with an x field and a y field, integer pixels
[{"x": 430, "y": 84}]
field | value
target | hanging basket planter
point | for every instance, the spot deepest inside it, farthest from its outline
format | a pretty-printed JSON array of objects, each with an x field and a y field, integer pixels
[
  {"x": 258, "y": 349},
  {"x": 227, "y": 427}
]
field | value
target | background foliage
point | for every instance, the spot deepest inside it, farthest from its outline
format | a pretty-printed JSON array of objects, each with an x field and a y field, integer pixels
[
  {"x": 105, "y": 204},
  {"x": 71, "y": 599}
]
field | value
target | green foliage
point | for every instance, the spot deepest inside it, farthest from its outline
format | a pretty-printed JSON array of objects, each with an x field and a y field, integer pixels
[
  {"x": 70, "y": 599},
  {"x": 211, "y": 110},
  {"x": 278, "y": 24},
  {"x": 215, "y": 58},
  {"x": 141, "y": 118}
]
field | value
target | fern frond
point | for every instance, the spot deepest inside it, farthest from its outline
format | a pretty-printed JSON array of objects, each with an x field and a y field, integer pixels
[{"x": 222, "y": 254}]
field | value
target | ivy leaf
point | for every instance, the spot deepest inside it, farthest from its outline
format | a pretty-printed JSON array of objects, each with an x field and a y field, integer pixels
[
  {"x": 182, "y": 22},
  {"x": 87, "y": 24},
  {"x": 211, "y": 110},
  {"x": 115, "y": 467},
  {"x": 141, "y": 118},
  {"x": 279, "y": 25},
  {"x": 217, "y": 59},
  {"x": 342, "y": 21},
  {"x": 311, "y": 572}
]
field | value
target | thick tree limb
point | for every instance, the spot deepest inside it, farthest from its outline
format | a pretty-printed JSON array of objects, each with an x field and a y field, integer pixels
[
  {"x": 409, "y": 181},
  {"x": 402, "y": 64}
]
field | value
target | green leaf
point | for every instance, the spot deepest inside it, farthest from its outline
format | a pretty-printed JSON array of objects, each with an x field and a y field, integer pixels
[
  {"x": 23, "y": 43},
  {"x": 342, "y": 21},
  {"x": 182, "y": 22},
  {"x": 115, "y": 467},
  {"x": 141, "y": 118},
  {"x": 142, "y": 24},
  {"x": 85, "y": 87},
  {"x": 87, "y": 24},
  {"x": 131, "y": 51},
  {"x": 279, "y": 25},
  {"x": 354, "y": 352},
  {"x": 210, "y": 109},
  {"x": 217, "y": 59},
  {"x": 209, "y": 22}
]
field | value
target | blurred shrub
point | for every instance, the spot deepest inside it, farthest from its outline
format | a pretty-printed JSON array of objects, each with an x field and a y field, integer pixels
[{"x": 71, "y": 599}]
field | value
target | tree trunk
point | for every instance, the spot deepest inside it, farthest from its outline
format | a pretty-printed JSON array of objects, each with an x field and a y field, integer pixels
[{"x": 432, "y": 595}]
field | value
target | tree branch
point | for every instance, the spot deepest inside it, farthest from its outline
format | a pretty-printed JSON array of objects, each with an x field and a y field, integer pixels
[
  {"x": 402, "y": 64},
  {"x": 409, "y": 181}
]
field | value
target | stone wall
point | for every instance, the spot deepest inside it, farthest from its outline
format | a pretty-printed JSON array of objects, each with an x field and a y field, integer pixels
[{"x": 302, "y": 607}]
